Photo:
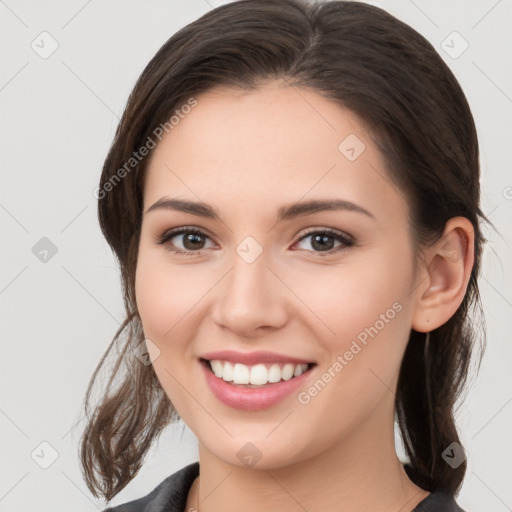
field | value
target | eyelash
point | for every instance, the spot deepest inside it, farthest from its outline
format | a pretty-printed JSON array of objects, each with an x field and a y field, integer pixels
[{"x": 168, "y": 235}]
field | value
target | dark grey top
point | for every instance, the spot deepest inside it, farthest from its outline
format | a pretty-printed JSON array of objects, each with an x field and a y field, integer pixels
[{"x": 171, "y": 496}]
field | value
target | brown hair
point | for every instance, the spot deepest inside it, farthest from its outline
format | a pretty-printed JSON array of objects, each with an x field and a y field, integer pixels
[{"x": 389, "y": 75}]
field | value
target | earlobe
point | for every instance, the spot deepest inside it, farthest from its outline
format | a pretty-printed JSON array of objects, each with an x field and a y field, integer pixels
[{"x": 448, "y": 265}]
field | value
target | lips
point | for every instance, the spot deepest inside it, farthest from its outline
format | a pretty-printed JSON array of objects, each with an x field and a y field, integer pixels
[{"x": 250, "y": 397}]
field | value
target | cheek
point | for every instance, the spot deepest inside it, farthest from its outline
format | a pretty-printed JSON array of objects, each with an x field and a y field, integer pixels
[
  {"x": 351, "y": 297},
  {"x": 366, "y": 306},
  {"x": 165, "y": 300},
  {"x": 168, "y": 296},
  {"x": 157, "y": 301}
]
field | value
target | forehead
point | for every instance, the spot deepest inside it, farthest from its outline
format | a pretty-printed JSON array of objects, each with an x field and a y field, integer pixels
[{"x": 274, "y": 144}]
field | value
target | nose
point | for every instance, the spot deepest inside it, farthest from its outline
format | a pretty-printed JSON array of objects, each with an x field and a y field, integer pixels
[{"x": 250, "y": 300}]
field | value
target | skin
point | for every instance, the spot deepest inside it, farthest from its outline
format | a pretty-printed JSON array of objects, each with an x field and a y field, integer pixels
[{"x": 246, "y": 154}]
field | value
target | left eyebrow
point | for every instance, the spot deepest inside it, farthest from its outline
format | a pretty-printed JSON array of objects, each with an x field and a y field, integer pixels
[
  {"x": 294, "y": 210},
  {"x": 286, "y": 212}
]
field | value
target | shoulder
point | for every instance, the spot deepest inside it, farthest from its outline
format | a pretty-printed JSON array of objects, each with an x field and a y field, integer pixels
[
  {"x": 170, "y": 495},
  {"x": 438, "y": 501}
]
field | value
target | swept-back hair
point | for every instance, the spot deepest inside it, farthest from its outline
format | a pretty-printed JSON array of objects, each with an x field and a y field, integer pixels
[{"x": 366, "y": 60}]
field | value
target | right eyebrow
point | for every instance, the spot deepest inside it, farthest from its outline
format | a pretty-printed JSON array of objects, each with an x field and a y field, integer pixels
[
  {"x": 182, "y": 205},
  {"x": 286, "y": 212}
]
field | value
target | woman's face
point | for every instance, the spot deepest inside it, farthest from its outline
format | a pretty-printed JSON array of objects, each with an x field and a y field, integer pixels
[{"x": 263, "y": 276}]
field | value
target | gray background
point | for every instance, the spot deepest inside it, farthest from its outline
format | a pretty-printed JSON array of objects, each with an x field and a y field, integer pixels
[{"x": 59, "y": 114}]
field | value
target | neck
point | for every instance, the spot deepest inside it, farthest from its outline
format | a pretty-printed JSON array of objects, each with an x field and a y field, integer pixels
[{"x": 358, "y": 474}]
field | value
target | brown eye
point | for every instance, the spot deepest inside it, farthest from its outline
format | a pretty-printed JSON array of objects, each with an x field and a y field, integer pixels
[
  {"x": 324, "y": 241},
  {"x": 191, "y": 240}
]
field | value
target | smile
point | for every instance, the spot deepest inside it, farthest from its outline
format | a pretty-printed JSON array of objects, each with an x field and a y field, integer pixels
[
  {"x": 253, "y": 387},
  {"x": 257, "y": 375}
]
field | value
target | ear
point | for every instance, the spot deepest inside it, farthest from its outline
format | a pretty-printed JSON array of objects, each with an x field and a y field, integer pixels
[{"x": 445, "y": 275}]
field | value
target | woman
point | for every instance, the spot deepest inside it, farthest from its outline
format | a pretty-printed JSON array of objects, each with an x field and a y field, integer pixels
[{"x": 293, "y": 197}]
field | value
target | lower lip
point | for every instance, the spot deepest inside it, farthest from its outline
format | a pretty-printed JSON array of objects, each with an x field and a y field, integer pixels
[{"x": 251, "y": 399}]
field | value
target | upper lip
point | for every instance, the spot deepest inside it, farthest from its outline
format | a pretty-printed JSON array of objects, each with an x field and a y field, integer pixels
[{"x": 251, "y": 358}]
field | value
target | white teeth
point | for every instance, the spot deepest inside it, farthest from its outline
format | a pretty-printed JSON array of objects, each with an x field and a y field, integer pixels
[
  {"x": 258, "y": 374},
  {"x": 274, "y": 373},
  {"x": 240, "y": 374},
  {"x": 299, "y": 370},
  {"x": 217, "y": 368},
  {"x": 227, "y": 371},
  {"x": 287, "y": 371}
]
